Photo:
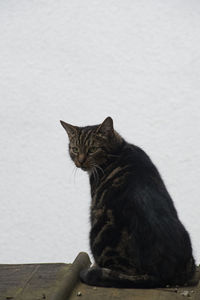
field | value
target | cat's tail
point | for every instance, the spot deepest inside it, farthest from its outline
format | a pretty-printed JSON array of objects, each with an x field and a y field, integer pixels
[{"x": 108, "y": 278}]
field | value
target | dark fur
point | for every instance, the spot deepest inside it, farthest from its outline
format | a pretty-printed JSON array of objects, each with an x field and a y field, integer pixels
[{"x": 136, "y": 237}]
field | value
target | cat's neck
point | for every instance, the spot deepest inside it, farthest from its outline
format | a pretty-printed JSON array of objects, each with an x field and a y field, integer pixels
[{"x": 96, "y": 175}]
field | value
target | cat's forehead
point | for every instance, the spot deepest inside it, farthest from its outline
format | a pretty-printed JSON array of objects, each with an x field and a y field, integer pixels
[{"x": 87, "y": 136}]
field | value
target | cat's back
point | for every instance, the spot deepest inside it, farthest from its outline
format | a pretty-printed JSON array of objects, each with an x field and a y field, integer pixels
[
  {"x": 126, "y": 171},
  {"x": 130, "y": 186}
]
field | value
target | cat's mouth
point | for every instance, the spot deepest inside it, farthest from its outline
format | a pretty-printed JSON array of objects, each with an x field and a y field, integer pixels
[{"x": 83, "y": 167}]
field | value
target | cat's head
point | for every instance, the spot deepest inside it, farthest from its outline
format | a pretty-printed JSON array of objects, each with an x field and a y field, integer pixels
[{"x": 90, "y": 146}]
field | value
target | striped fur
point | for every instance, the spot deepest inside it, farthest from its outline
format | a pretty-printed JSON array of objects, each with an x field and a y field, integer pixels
[{"x": 136, "y": 237}]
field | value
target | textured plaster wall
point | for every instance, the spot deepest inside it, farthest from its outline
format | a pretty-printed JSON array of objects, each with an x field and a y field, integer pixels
[{"x": 80, "y": 61}]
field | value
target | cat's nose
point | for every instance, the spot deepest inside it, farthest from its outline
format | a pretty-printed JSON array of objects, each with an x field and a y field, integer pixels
[{"x": 81, "y": 158}]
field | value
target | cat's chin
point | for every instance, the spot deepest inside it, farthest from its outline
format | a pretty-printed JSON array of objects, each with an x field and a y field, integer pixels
[{"x": 84, "y": 169}]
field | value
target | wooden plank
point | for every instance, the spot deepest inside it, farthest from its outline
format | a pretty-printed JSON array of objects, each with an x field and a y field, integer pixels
[
  {"x": 61, "y": 282},
  {"x": 30, "y": 282},
  {"x": 40, "y": 281}
]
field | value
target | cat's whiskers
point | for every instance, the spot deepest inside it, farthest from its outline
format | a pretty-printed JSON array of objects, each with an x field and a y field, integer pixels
[
  {"x": 74, "y": 173},
  {"x": 98, "y": 167},
  {"x": 95, "y": 173}
]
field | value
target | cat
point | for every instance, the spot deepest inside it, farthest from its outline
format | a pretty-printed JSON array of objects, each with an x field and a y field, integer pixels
[{"x": 136, "y": 237}]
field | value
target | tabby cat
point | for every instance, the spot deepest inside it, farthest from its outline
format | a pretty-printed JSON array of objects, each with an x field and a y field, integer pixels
[{"x": 136, "y": 237}]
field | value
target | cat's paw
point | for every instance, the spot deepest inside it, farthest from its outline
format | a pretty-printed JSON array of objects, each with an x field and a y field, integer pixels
[{"x": 91, "y": 276}]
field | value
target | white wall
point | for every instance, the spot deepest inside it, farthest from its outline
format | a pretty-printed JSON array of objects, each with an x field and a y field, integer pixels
[{"x": 80, "y": 61}]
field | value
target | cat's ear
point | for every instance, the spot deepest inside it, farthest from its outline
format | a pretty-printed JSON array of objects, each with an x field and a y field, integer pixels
[
  {"x": 70, "y": 129},
  {"x": 106, "y": 127}
]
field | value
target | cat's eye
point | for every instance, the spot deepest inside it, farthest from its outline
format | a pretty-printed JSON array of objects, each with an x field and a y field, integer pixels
[
  {"x": 75, "y": 149},
  {"x": 92, "y": 150}
]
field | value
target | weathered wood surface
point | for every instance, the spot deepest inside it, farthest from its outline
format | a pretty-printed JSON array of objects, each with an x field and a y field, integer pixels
[
  {"x": 61, "y": 282},
  {"x": 29, "y": 281},
  {"x": 40, "y": 281},
  {"x": 96, "y": 293}
]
